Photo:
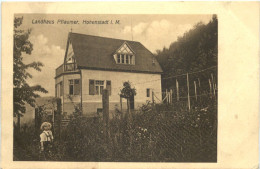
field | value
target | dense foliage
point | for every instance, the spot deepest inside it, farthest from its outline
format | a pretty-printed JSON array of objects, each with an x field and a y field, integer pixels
[
  {"x": 127, "y": 90},
  {"x": 196, "y": 50},
  {"x": 166, "y": 133},
  {"x": 23, "y": 92}
]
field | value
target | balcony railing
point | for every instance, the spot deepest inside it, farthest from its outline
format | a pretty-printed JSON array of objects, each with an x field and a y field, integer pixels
[{"x": 69, "y": 67}]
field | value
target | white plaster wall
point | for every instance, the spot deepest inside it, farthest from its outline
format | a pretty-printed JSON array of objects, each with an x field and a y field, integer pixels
[{"x": 141, "y": 81}]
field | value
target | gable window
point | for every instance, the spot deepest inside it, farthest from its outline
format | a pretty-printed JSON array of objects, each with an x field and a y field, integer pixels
[
  {"x": 118, "y": 58},
  {"x": 124, "y": 55},
  {"x": 74, "y": 87},
  {"x": 127, "y": 59},
  {"x": 123, "y": 58},
  {"x": 131, "y": 59},
  {"x": 148, "y": 92}
]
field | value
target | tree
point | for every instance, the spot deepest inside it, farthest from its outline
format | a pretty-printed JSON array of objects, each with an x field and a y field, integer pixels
[
  {"x": 22, "y": 92},
  {"x": 196, "y": 50},
  {"x": 127, "y": 90}
]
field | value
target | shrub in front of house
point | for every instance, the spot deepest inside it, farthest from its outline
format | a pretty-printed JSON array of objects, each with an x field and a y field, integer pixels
[{"x": 166, "y": 133}]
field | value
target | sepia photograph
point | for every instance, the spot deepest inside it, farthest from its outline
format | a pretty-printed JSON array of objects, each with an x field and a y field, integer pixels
[{"x": 115, "y": 88}]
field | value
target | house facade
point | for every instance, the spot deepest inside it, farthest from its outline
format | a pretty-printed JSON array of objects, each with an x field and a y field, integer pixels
[{"x": 93, "y": 63}]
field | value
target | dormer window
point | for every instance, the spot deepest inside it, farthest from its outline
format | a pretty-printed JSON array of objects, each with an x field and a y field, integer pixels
[{"x": 124, "y": 55}]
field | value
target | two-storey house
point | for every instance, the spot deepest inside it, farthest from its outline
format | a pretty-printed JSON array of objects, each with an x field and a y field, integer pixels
[{"x": 93, "y": 63}]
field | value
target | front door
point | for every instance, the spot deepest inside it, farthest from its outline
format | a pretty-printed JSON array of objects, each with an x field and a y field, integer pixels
[{"x": 132, "y": 102}]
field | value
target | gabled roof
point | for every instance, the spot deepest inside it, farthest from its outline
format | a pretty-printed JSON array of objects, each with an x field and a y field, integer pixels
[{"x": 93, "y": 52}]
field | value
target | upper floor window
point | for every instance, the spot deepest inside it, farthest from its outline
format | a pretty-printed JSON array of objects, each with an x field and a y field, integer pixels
[
  {"x": 124, "y": 55},
  {"x": 125, "y": 59}
]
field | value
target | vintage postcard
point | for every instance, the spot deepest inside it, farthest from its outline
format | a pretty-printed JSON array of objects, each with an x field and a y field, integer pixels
[{"x": 130, "y": 85}]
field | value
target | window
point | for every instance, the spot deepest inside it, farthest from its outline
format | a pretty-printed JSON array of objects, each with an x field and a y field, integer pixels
[
  {"x": 61, "y": 88},
  {"x": 96, "y": 87},
  {"x": 123, "y": 58},
  {"x": 127, "y": 59},
  {"x": 74, "y": 87},
  {"x": 118, "y": 58},
  {"x": 147, "y": 92},
  {"x": 131, "y": 59},
  {"x": 71, "y": 87},
  {"x": 124, "y": 55},
  {"x": 99, "y": 86}
]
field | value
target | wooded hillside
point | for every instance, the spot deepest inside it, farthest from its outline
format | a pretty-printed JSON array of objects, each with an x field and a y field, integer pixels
[{"x": 196, "y": 50}]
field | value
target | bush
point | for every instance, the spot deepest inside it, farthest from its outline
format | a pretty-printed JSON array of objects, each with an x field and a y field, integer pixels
[
  {"x": 166, "y": 133},
  {"x": 155, "y": 133}
]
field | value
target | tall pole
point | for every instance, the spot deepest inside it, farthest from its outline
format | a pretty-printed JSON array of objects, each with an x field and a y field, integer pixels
[
  {"x": 210, "y": 87},
  {"x": 105, "y": 102},
  {"x": 121, "y": 107},
  {"x": 195, "y": 90},
  {"x": 199, "y": 91},
  {"x": 188, "y": 91},
  {"x": 171, "y": 96},
  {"x": 153, "y": 97},
  {"x": 177, "y": 89},
  {"x": 213, "y": 86},
  {"x": 167, "y": 96}
]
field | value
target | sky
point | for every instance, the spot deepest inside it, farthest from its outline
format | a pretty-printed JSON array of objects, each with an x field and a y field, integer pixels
[{"x": 49, "y": 40}]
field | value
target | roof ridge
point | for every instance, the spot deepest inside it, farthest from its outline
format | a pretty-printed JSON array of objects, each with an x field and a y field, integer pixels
[{"x": 103, "y": 37}]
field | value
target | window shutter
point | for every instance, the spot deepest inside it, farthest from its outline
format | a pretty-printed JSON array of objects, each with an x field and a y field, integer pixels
[
  {"x": 108, "y": 86},
  {"x": 76, "y": 87},
  {"x": 91, "y": 87}
]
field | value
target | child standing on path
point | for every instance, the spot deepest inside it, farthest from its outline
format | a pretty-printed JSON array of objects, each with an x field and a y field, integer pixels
[{"x": 46, "y": 140}]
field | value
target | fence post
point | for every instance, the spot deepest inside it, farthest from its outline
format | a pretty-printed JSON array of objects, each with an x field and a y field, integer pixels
[
  {"x": 213, "y": 86},
  {"x": 121, "y": 106},
  {"x": 129, "y": 125},
  {"x": 167, "y": 98},
  {"x": 199, "y": 91},
  {"x": 153, "y": 97},
  {"x": 195, "y": 90},
  {"x": 188, "y": 91},
  {"x": 210, "y": 87},
  {"x": 177, "y": 89},
  {"x": 36, "y": 121},
  {"x": 59, "y": 116},
  {"x": 105, "y": 103},
  {"x": 171, "y": 96}
]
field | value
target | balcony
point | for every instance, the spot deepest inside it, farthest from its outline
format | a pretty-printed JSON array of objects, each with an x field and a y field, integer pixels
[{"x": 69, "y": 67}]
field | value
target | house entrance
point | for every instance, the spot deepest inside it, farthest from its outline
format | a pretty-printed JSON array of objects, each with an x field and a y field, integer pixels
[{"x": 132, "y": 102}]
